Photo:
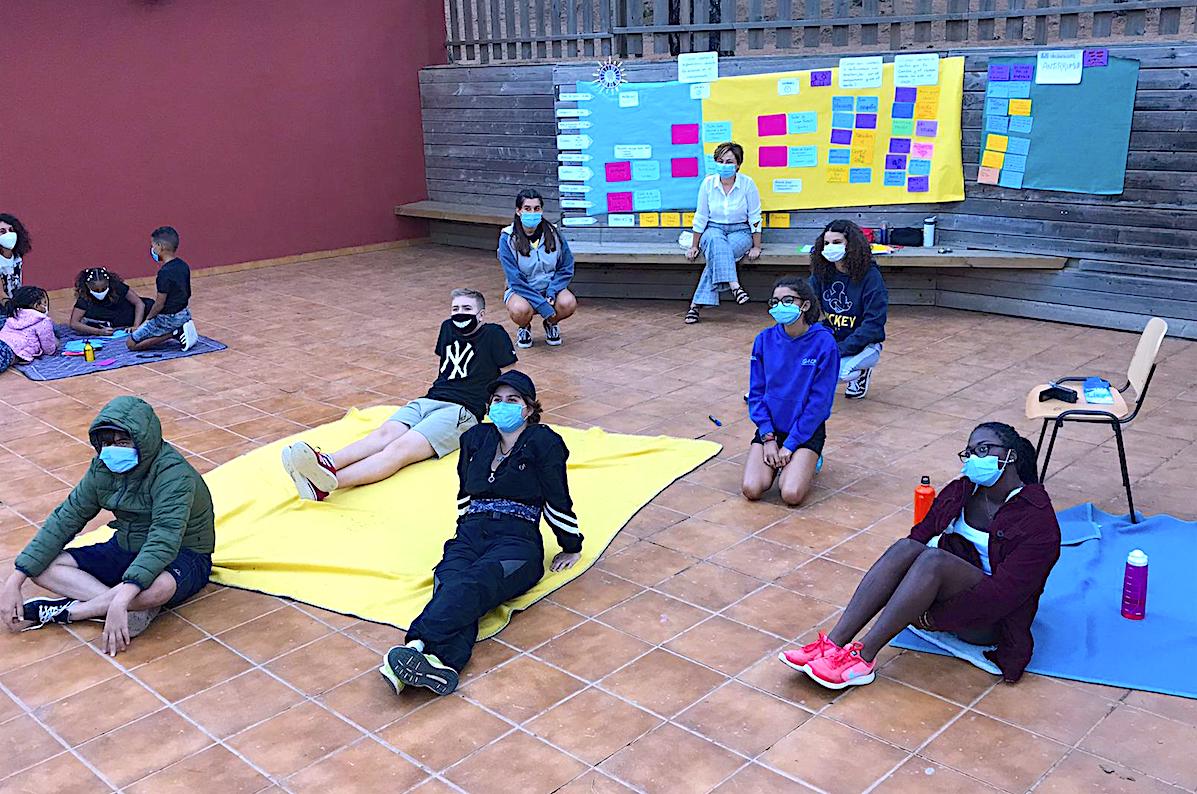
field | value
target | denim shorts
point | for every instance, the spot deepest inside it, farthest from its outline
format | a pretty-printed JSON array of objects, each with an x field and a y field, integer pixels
[
  {"x": 108, "y": 562},
  {"x": 161, "y": 325}
]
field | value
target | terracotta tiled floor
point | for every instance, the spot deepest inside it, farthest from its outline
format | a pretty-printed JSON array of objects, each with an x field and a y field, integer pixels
[{"x": 655, "y": 670}]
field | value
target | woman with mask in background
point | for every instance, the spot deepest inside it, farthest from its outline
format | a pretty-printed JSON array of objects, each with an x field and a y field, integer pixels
[
  {"x": 14, "y": 244},
  {"x": 727, "y": 226},
  {"x": 538, "y": 266},
  {"x": 974, "y": 566},
  {"x": 852, "y": 294}
]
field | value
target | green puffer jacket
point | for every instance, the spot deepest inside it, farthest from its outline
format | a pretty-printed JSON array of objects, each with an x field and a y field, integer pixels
[{"x": 161, "y": 505}]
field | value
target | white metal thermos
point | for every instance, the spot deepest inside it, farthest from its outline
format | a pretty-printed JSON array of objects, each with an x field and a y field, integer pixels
[{"x": 929, "y": 231}]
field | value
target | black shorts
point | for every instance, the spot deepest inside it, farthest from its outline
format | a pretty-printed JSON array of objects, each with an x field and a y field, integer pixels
[
  {"x": 814, "y": 443},
  {"x": 108, "y": 562}
]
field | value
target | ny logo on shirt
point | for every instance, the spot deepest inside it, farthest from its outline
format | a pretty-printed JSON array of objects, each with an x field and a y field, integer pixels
[{"x": 458, "y": 355}]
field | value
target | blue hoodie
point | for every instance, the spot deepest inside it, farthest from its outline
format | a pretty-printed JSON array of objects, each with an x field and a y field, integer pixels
[
  {"x": 791, "y": 382},
  {"x": 855, "y": 310},
  {"x": 538, "y": 277}
]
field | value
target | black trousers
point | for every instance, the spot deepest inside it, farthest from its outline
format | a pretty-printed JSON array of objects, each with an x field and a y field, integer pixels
[{"x": 494, "y": 557}]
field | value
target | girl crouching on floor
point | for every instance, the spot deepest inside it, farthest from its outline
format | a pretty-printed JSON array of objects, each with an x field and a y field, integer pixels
[
  {"x": 792, "y": 378},
  {"x": 28, "y": 331}
]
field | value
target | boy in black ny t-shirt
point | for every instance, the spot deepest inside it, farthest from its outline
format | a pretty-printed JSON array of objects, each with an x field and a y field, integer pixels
[
  {"x": 472, "y": 354},
  {"x": 169, "y": 318}
]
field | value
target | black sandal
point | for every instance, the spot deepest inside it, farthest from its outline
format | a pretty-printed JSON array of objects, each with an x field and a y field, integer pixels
[
  {"x": 740, "y": 295},
  {"x": 692, "y": 316}
]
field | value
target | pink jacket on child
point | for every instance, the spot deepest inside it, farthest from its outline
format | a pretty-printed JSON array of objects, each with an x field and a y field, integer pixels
[{"x": 30, "y": 334}]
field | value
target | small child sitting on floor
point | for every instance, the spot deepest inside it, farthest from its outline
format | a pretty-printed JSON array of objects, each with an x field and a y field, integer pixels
[
  {"x": 169, "y": 317},
  {"x": 28, "y": 331}
]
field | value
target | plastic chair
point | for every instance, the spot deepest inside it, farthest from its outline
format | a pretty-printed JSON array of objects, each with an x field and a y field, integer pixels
[{"x": 1138, "y": 378}]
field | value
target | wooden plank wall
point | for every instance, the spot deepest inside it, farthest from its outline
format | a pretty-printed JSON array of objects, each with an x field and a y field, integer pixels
[{"x": 490, "y": 130}]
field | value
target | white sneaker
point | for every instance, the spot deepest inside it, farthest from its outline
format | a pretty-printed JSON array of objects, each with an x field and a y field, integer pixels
[
  {"x": 523, "y": 337},
  {"x": 859, "y": 387},
  {"x": 190, "y": 335}
]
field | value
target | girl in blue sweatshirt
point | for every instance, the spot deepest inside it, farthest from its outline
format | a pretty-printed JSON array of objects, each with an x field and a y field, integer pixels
[
  {"x": 852, "y": 294},
  {"x": 792, "y": 379},
  {"x": 538, "y": 266}
]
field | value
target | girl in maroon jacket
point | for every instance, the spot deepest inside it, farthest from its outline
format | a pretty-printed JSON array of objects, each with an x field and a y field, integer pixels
[{"x": 975, "y": 566}]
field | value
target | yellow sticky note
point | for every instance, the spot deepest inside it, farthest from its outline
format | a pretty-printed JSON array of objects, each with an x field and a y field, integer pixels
[
  {"x": 924, "y": 110},
  {"x": 837, "y": 174},
  {"x": 864, "y": 139},
  {"x": 862, "y": 156},
  {"x": 779, "y": 220},
  {"x": 987, "y": 176},
  {"x": 928, "y": 93},
  {"x": 1020, "y": 107},
  {"x": 671, "y": 219},
  {"x": 650, "y": 219},
  {"x": 997, "y": 143},
  {"x": 993, "y": 159},
  {"x": 688, "y": 220}
]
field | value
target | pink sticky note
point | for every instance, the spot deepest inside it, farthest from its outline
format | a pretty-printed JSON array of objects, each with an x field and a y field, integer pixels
[
  {"x": 771, "y": 125},
  {"x": 922, "y": 151},
  {"x": 682, "y": 167},
  {"x": 619, "y": 172},
  {"x": 619, "y": 202},
  {"x": 987, "y": 176},
  {"x": 772, "y": 156},
  {"x": 685, "y": 133}
]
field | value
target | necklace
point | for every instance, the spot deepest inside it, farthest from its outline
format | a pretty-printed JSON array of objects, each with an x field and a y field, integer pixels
[{"x": 502, "y": 456}]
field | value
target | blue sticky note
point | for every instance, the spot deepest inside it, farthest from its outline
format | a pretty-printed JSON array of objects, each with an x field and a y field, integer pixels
[
  {"x": 903, "y": 127},
  {"x": 802, "y": 157},
  {"x": 996, "y": 124},
  {"x": 839, "y": 156},
  {"x": 1019, "y": 90},
  {"x": 1010, "y": 178},
  {"x": 843, "y": 121},
  {"x": 866, "y": 104},
  {"x": 646, "y": 170},
  {"x": 903, "y": 110},
  {"x": 996, "y": 106},
  {"x": 1015, "y": 162},
  {"x": 1018, "y": 145},
  {"x": 998, "y": 90},
  {"x": 643, "y": 200},
  {"x": 802, "y": 123},
  {"x": 919, "y": 167},
  {"x": 842, "y": 103},
  {"x": 1021, "y": 124},
  {"x": 860, "y": 176},
  {"x": 716, "y": 131},
  {"x": 895, "y": 179}
]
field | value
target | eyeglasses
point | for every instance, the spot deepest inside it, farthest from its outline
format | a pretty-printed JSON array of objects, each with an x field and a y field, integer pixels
[
  {"x": 981, "y": 451},
  {"x": 788, "y": 300}
]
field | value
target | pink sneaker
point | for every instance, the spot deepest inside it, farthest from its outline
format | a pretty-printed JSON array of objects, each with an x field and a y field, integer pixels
[
  {"x": 842, "y": 669},
  {"x": 800, "y": 658},
  {"x": 316, "y": 467}
]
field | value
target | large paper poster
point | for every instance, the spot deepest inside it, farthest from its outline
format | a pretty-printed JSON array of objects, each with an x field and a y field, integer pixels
[
  {"x": 847, "y": 136},
  {"x": 1034, "y": 107}
]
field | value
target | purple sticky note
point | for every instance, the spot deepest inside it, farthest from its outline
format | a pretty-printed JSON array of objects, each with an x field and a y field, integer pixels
[
  {"x": 926, "y": 129},
  {"x": 1097, "y": 57},
  {"x": 899, "y": 145},
  {"x": 866, "y": 121},
  {"x": 841, "y": 137},
  {"x": 906, "y": 95},
  {"x": 918, "y": 184},
  {"x": 999, "y": 72},
  {"x": 1023, "y": 72},
  {"x": 820, "y": 79},
  {"x": 895, "y": 162}
]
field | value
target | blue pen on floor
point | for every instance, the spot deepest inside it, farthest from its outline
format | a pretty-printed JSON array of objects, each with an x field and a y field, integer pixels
[{"x": 716, "y": 421}]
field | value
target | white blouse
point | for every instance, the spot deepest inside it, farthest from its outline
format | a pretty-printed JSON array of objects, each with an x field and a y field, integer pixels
[{"x": 742, "y": 204}]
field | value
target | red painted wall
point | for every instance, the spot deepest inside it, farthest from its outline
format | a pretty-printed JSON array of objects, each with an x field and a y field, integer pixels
[{"x": 257, "y": 128}]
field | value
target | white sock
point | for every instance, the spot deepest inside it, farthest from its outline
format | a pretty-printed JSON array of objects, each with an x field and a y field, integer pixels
[{"x": 417, "y": 644}]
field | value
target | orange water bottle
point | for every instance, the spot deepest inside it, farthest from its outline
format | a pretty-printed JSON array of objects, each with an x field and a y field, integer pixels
[{"x": 924, "y": 495}]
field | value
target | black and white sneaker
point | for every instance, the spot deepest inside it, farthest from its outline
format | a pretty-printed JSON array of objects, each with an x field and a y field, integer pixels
[
  {"x": 859, "y": 387},
  {"x": 523, "y": 337},
  {"x": 43, "y": 611},
  {"x": 552, "y": 334},
  {"x": 412, "y": 667}
]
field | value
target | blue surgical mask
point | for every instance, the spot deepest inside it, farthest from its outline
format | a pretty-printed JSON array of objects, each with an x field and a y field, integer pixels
[
  {"x": 119, "y": 459},
  {"x": 785, "y": 314},
  {"x": 506, "y": 416},
  {"x": 983, "y": 471},
  {"x": 531, "y": 219},
  {"x": 725, "y": 170},
  {"x": 154, "y": 254}
]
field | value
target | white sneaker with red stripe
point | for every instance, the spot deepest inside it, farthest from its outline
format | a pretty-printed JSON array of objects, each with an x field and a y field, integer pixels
[{"x": 303, "y": 484}]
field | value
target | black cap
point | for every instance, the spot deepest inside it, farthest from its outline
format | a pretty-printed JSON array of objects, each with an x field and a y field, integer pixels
[{"x": 516, "y": 380}]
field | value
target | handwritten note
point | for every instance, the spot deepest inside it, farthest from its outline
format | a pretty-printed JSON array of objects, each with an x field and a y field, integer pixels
[
  {"x": 787, "y": 185},
  {"x": 899, "y": 146},
  {"x": 921, "y": 69},
  {"x": 779, "y": 220},
  {"x": 860, "y": 176},
  {"x": 788, "y": 86},
  {"x": 802, "y": 123},
  {"x": 906, "y": 95},
  {"x": 997, "y": 90},
  {"x": 620, "y": 221},
  {"x": 841, "y": 137},
  {"x": 902, "y": 127},
  {"x": 842, "y": 103},
  {"x": 903, "y": 110},
  {"x": 867, "y": 104},
  {"x": 1022, "y": 71},
  {"x": 802, "y": 157},
  {"x": 894, "y": 179},
  {"x": 647, "y": 200},
  {"x": 1015, "y": 162},
  {"x": 996, "y": 142},
  {"x": 619, "y": 202},
  {"x": 650, "y": 220},
  {"x": 716, "y": 131},
  {"x": 1019, "y": 146},
  {"x": 923, "y": 150},
  {"x": 646, "y": 171},
  {"x": 860, "y": 72},
  {"x": 629, "y": 99},
  {"x": 1020, "y": 107},
  {"x": 1059, "y": 67},
  {"x": 895, "y": 162},
  {"x": 671, "y": 219},
  {"x": 700, "y": 90},
  {"x": 993, "y": 159},
  {"x": 837, "y": 175},
  {"x": 918, "y": 184},
  {"x": 619, "y": 172},
  {"x": 837, "y": 156},
  {"x": 926, "y": 129},
  {"x": 861, "y": 156},
  {"x": 843, "y": 121},
  {"x": 987, "y": 175},
  {"x": 820, "y": 78},
  {"x": 999, "y": 71},
  {"x": 633, "y": 151},
  {"x": 698, "y": 67},
  {"x": 1018, "y": 90},
  {"x": 1021, "y": 124},
  {"x": 866, "y": 121},
  {"x": 999, "y": 124},
  {"x": 919, "y": 167},
  {"x": 1011, "y": 179},
  {"x": 1097, "y": 57}
]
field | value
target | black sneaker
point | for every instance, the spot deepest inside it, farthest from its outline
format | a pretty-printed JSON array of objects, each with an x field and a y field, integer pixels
[
  {"x": 552, "y": 334},
  {"x": 414, "y": 668},
  {"x": 858, "y": 388},
  {"x": 523, "y": 338},
  {"x": 43, "y": 611}
]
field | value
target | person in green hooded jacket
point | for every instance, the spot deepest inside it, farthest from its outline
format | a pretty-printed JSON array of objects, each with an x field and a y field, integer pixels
[{"x": 160, "y": 555}]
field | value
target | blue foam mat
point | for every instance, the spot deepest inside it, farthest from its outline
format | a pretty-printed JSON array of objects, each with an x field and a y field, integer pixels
[
  {"x": 58, "y": 366},
  {"x": 1080, "y": 633}
]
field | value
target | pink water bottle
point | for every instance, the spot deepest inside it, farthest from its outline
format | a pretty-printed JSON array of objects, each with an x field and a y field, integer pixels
[{"x": 1134, "y": 586}]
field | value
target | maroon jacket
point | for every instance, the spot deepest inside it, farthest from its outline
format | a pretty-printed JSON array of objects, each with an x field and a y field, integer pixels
[{"x": 1024, "y": 544}]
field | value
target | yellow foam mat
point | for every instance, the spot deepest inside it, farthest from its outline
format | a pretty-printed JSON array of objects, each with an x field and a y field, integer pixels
[{"x": 370, "y": 551}]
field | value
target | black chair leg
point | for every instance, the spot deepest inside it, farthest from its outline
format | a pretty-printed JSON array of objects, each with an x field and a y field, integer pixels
[
  {"x": 1050, "y": 445},
  {"x": 1130, "y": 500},
  {"x": 1042, "y": 433}
]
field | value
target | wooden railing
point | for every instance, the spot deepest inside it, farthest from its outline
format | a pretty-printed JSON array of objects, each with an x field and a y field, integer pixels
[{"x": 497, "y": 31}]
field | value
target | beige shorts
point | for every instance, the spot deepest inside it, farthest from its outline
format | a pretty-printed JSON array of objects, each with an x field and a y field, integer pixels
[{"x": 441, "y": 423}]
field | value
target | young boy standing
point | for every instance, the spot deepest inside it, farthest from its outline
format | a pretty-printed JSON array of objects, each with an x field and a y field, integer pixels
[
  {"x": 169, "y": 318},
  {"x": 472, "y": 354},
  {"x": 160, "y": 556}
]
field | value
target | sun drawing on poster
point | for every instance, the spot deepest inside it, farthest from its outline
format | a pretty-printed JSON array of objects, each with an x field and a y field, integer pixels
[{"x": 609, "y": 75}]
